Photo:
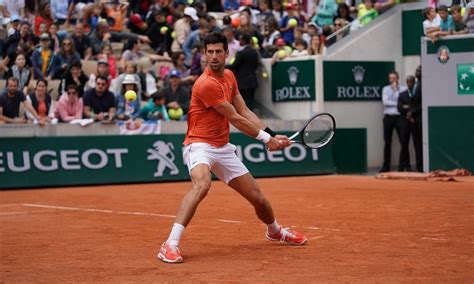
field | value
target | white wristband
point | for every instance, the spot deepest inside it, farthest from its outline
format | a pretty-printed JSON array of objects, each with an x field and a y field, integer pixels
[{"x": 263, "y": 136}]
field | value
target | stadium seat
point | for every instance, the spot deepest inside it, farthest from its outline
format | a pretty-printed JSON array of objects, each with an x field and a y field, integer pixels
[
  {"x": 53, "y": 86},
  {"x": 3, "y": 84},
  {"x": 89, "y": 66}
]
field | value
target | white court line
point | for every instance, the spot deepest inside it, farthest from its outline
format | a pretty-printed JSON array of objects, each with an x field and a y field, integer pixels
[
  {"x": 433, "y": 239},
  {"x": 145, "y": 214},
  {"x": 20, "y": 212},
  {"x": 229, "y": 221}
]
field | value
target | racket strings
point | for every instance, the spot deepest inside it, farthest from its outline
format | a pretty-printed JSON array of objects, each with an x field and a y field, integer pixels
[{"x": 318, "y": 132}]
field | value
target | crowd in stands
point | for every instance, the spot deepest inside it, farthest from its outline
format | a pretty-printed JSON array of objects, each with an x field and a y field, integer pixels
[{"x": 152, "y": 47}]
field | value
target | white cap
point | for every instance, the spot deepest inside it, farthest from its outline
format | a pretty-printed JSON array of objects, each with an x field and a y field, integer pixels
[
  {"x": 191, "y": 12},
  {"x": 129, "y": 79}
]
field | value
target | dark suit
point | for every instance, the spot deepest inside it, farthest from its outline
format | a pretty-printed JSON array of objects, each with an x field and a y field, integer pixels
[
  {"x": 404, "y": 105},
  {"x": 244, "y": 68},
  {"x": 417, "y": 131}
]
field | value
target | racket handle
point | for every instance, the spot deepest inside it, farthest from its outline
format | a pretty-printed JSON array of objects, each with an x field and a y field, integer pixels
[{"x": 293, "y": 136}]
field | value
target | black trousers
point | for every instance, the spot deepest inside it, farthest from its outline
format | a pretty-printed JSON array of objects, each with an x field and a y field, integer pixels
[
  {"x": 417, "y": 133},
  {"x": 406, "y": 129},
  {"x": 248, "y": 95},
  {"x": 390, "y": 123}
]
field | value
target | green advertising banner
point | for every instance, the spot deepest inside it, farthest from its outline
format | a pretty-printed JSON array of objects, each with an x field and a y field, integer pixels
[
  {"x": 58, "y": 161},
  {"x": 355, "y": 80},
  {"x": 465, "y": 76},
  {"x": 293, "y": 81}
]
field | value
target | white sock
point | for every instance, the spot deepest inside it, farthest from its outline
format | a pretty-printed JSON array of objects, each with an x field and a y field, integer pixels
[
  {"x": 175, "y": 234},
  {"x": 274, "y": 228}
]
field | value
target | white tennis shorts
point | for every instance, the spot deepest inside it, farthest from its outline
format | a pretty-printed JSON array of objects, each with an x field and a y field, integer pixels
[{"x": 222, "y": 161}]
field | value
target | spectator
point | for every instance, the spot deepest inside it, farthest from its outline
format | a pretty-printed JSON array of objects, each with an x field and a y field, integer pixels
[
  {"x": 244, "y": 67},
  {"x": 10, "y": 100},
  {"x": 127, "y": 110},
  {"x": 59, "y": 11},
  {"x": 78, "y": 7},
  {"x": 44, "y": 16},
  {"x": 193, "y": 40},
  {"x": 117, "y": 11},
  {"x": 20, "y": 71},
  {"x": 133, "y": 53},
  {"x": 300, "y": 34},
  {"x": 99, "y": 103},
  {"x": 107, "y": 55},
  {"x": 54, "y": 38},
  {"x": 246, "y": 26},
  {"x": 337, "y": 34},
  {"x": 102, "y": 71},
  {"x": 414, "y": 115},
  {"x": 12, "y": 9},
  {"x": 43, "y": 59},
  {"x": 391, "y": 120},
  {"x": 282, "y": 50},
  {"x": 231, "y": 5},
  {"x": 155, "y": 109},
  {"x": 182, "y": 28},
  {"x": 431, "y": 24},
  {"x": 41, "y": 102},
  {"x": 367, "y": 12},
  {"x": 300, "y": 48},
  {"x": 148, "y": 78},
  {"x": 326, "y": 11},
  {"x": 23, "y": 37},
  {"x": 65, "y": 57},
  {"x": 287, "y": 30},
  {"x": 130, "y": 68},
  {"x": 14, "y": 25},
  {"x": 264, "y": 14},
  {"x": 446, "y": 24},
  {"x": 160, "y": 34},
  {"x": 316, "y": 46},
  {"x": 70, "y": 105},
  {"x": 469, "y": 17},
  {"x": 459, "y": 26},
  {"x": 406, "y": 126},
  {"x": 185, "y": 74},
  {"x": 177, "y": 96},
  {"x": 81, "y": 42},
  {"x": 272, "y": 32},
  {"x": 343, "y": 12},
  {"x": 74, "y": 76},
  {"x": 233, "y": 44}
]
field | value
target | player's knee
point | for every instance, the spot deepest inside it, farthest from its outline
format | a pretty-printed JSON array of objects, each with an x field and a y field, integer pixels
[{"x": 201, "y": 189}]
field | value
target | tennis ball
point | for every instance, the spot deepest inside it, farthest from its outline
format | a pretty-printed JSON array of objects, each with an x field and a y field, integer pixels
[
  {"x": 190, "y": 2},
  {"x": 281, "y": 54},
  {"x": 232, "y": 60},
  {"x": 292, "y": 23},
  {"x": 255, "y": 40},
  {"x": 163, "y": 30},
  {"x": 175, "y": 113},
  {"x": 264, "y": 75},
  {"x": 288, "y": 49},
  {"x": 130, "y": 96},
  {"x": 173, "y": 34}
]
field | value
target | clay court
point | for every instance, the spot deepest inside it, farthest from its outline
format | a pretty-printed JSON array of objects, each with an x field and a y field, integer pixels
[{"x": 360, "y": 229}]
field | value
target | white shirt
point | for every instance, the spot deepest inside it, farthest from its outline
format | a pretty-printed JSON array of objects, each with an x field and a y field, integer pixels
[
  {"x": 431, "y": 24},
  {"x": 390, "y": 99}
]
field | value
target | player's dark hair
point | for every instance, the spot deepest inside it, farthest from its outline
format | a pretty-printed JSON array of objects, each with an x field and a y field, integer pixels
[{"x": 215, "y": 37}]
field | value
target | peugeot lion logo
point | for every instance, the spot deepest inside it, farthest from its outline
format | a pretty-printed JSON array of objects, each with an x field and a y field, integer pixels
[
  {"x": 358, "y": 72},
  {"x": 163, "y": 153},
  {"x": 293, "y": 75}
]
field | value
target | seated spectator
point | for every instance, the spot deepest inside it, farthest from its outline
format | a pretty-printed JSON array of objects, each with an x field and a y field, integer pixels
[
  {"x": 148, "y": 78},
  {"x": 300, "y": 48},
  {"x": 469, "y": 17},
  {"x": 287, "y": 30},
  {"x": 15, "y": 21},
  {"x": 20, "y": 71},
  {"x": 326, "y": 11},
  {"x": 59, "y": 11},
  {"x": 182, "y": 28},
  {"x": 178, "y": 59},
  {"x": 74, "y": 76},
  {"x": 127, "y": 110},
  {"x": 10, "y": 100},
  {"x": 103, "y": 71},
  {"x": 233, "y": 44},
  {"x": 130, "y": 68},
  {"x": 343, "y": 12},
  {"x": 69, "y": 105},
  {"x": 367, "y": 12},
  {"x": 65, "y": 57},
  {"x": 177, "y": 97},
  {"x": 431, "y": 26},
  {"x": 55, "y": 41},
  {"x": 446, "y": 24},
  {"x": 117, "y": 11},
  {"x": 41, "y": 102},
  {"x": 81, "y": 42},
  {"x": 282, "y": 50},
  {"x": 459, "y": 26},
  {"x": 43, "y": 59},
  {"x": 99, "y": 103},
  {"x": 316, "y": 47},
  {"x": 300, "y": 34},
  {"x": 337, "y": 35},
  {"x": 133, "y": 53},
  {"x": 23, "y": 37},
  {"x": 194, "y": 40},
  {"x": 108, "y": 55},
  {"x": 44, "y": 16},
  {"x": 160, "y": 33},
  {"x": 272, "y": 32}
]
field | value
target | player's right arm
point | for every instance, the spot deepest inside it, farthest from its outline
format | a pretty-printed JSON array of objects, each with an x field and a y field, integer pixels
[{"x": 243, "y": 124}]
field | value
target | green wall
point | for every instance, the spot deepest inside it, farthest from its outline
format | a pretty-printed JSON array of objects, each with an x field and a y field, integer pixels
[{"x": 412, "y": 30}]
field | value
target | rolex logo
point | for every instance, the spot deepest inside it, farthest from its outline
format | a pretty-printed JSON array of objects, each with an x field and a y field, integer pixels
[
  {"x": 293, "y": 74},
  {"x": 358, "y": 72}
]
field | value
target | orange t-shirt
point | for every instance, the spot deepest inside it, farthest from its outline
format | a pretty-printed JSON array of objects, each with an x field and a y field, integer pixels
[{"x": 205, "y": 124}]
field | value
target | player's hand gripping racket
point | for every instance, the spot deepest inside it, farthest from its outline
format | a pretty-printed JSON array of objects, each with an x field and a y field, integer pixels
[{"x": 317, "y": 132}]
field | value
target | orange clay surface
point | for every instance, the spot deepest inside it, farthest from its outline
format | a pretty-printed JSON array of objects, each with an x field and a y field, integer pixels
[{"x": 360, "y": 229}]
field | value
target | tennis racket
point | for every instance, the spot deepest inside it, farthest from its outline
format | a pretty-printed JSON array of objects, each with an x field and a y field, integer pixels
[{"x": 317, "y": 132}]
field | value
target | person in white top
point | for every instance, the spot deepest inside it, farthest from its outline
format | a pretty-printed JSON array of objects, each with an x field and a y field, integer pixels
[
  {"x": 431, "y": 26},
  {"x": 391, "y": 119}
]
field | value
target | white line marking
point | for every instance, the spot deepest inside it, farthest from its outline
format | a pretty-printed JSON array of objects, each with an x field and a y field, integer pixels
[
  {"x": 9, "y": 204},
  {"x": 229, "y": 221},
  {"x": 145, "y": 214},
  {"x": 327, "y": 229},
  {"x": 316, "y": 238},
  {"x": 433, "y": 239},
  {"x": 312, "y": 228}
]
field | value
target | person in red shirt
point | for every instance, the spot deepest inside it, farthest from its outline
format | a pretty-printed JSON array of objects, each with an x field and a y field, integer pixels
[{"x": 216, "y": 102}]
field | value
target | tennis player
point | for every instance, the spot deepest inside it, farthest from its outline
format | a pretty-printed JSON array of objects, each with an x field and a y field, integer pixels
[{"x": 215, "y": 102}]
